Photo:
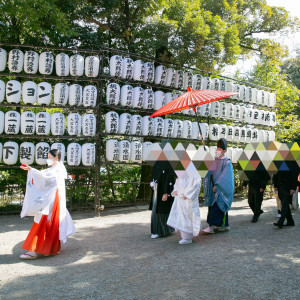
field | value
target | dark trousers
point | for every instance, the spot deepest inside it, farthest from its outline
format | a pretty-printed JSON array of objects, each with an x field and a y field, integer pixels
[
  {"x": 255, "y": 199},
  {"x": 216, "y": 216},
  {"x": 286, "y": 199}
]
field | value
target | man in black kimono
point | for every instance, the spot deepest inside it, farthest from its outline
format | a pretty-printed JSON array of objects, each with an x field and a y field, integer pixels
[{"x": 161, "y": 201}]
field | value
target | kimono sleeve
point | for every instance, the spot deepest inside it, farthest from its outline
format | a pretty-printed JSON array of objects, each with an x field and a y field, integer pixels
[{"x": 192, "y": 192}]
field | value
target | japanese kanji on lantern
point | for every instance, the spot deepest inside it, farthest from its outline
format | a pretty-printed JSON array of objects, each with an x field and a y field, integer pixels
[
  {"x": 12, "y": 122},
  {"x": 138, "y": 70},
  {"x": 26, "y": 153},
  {"x": 267, "y": 98},
  {"x": 136, "y": 125},
  {"x": 206, "y": 83},
  {"x": 136, "y": 151},
  {"x": 158, "y": 126},
  {"x": 3, "y": 59},
  {"x": 205, "y": 110},
  {"x": 46, "y": 61},
  {"x": 43, "y": 123},
  {"x": 215, "y": 109},
  {"x": 125, "y": 123},
  {"x": 178, "y": 128},
  {"x": 127, "y": 68},
  {"x": 248, "y": 135},
  {"x": 76, "y": 65},
  {"x": 112, "y": 150},
  {"x": 187, "y": 129},
  {"x": 179, "y": 78},
  {"x": 137, "y": 97},
  {"x": 41, "y": 153},
  {"x": 249, "y": 115},
  {"x": 74, "y": 124},
  {"x": 13, "y": 91},
  {"x": 113, "y": 94},
  {"x": 15, "y": 61},
  {"x": 273, "y": 118},
  {"x": 89, "y": 124},
  {"x": 230, "y": 111},
  {"x": 229, "y": 135},
  {"x": 61, "y": 147},
  {"x": 243, "y": 113},
  {"x": 242, "y": 95},
  {"x": 126, "y": 95},
  {"x": 92, "y": 65},
  {"x": 205, "y": 129},
  {"x": 31, "y": 62},
  {"x": 214, "y": 132},
  {"x": 75, "y": 95},
  {"x": 89, "y": 96},
  {"x": 229, "y": 86},
  {"x": 57, "y": 124},
  {"x": 44, "y": 93},
  {"x": 223, "y": 131},
  {"x": 147, "y": 126},
  {"x": 215, "y": 84},
  {"x": 160, "y": 75},
  {"x": 159, "y": 99},
  {"x": 149, "y": 72},
  {"x": 74, "y": 154},
  {"x": 236, "y": 133},
  {"x": 236, "y": 112},
  {"x": 1, "y": 122},
  {"x": 236, "y": 89},
  {"x": 10, "y": 153},
  {"x": 168, "y": 128},
  {"x": 254, "y": 135},
  {"x": 88, "y": 154},
  {"x": 267, "y": 120},
  {"x": 148, "y": 99},
  {"x": 171, "y": 75},
  {"x": 29, "y": 92},
  {"x": 111, "y": 122},
  {"x": 197, "y": 82},
  {"x": 124, "y": 150},
  {"x": 261, "y": 116},
  {"x": 62, "y": 64},
  {"x": 187, "y": 79},
  {"x": 28, "y": 122},
  {"x": 115, "y": 66},
  {"x": 222, "y": 84},
  {"x": 2, "y": 90},
  {"x": 243, "y": 134},
  {"x": 61, "y": 94}
]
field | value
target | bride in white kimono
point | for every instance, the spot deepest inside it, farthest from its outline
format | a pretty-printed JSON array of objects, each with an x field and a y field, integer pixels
[
  {"x": 185, "y": 212},
  {"x": 45, "y": 200}
]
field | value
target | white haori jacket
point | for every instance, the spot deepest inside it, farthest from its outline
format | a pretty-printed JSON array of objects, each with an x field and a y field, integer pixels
[
  {"x": 185, "y": 214},
  {"x": 40, "y": 194}
]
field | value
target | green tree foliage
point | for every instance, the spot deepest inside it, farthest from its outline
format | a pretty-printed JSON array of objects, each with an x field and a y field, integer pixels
[{"x": 291, "y": 68}]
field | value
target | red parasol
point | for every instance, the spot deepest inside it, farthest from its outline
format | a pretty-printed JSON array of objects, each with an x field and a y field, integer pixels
[{"x": 192, "y": 99}]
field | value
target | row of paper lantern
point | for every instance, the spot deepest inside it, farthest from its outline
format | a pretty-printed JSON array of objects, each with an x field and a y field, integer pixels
[
  {"x": 27, "y": 153},
  {"x": 30, "y": 93},
  {"x": 32, "y": 62},
  {"x": 29, "y": 123},
  {"x": 136, "y": 151}
]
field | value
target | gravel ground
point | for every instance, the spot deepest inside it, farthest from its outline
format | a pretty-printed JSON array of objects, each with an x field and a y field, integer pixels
[{"x": 113, "y": 257}]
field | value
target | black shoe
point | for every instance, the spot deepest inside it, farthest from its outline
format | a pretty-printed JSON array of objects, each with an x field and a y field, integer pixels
[
  {"x": 254, "y": 220},
  {"x": 261, "y": 211},
  {"x": 289, "y": 224},
  {"x": 277, "y": 225}
]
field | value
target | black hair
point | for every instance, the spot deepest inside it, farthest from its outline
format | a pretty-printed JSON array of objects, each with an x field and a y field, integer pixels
[{"x": 55, "y": 153}]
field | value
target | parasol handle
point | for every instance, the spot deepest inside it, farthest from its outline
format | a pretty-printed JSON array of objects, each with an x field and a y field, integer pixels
[{"x": 200, "y": 131}]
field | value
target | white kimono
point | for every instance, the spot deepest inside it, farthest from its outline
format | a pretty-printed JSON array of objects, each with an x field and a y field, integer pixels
[
  {"x": 185, "y": 214},
  {"x": 39, "y": 199}
]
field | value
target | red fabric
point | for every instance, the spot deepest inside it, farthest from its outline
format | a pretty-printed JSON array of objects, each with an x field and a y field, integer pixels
[{"x": 43, "y": 237}]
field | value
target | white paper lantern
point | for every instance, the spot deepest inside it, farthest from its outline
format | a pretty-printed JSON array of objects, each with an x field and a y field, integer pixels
[
  {"x": 12, "y": 122},
  {"x": 42, "y": 124},
  {"x": 74, "y": 154},
  {"x": 235, "y": 155},
  {"x": 88, "y": 154},
  {"x": 248, "y": 135},
  {"x": 89, "y": 98},
  {"x": 147, "y": 126},
  {"x": 62, "y": 149},
  {"x": 115, "y": 66},
  {"x": 26, "y": 153},
  {"x": 263, "y": 98},
  {"x": 205, "y": 130},
  {"x": 10, "y": 153},
  {"x": 138, "y": 70},
  {"x": 259, "y": 96},
  {"x": 160, "y": 75},
  {"x": 158, "y": 126},
  {"x": 205, "y": 110},
  {"x": 125, "y": 123},
  {"x": 44, "y": 93},
  {"x": 229, "y": 86},
  {"x": 261, "y": 116},
  {"x": 2, "y": 117},
  {"x": 215, "y": 84},
  {"x": 213, "y": 150},
  {"x": 111, "y": 122},
  {"x": 76, "y": 65},
  {"x": 88, "y": 125},
  {"x": 243, "y": 134},
  {"x": 126, "y": 95},
  {"x": 29, "y": 92},
  {"x": 214, "y": 133},
  {"x": 62, "y": 64},
  {"x": 260, "y": 135},
  {"x": 31, "y": 62},
  {"x": 168, "y": 97},
  {"x": 255, "y": 118},
  {"x": 149, "y": 72},
  {"x": 1, "y": 151},
  {"x": 187, "y": 80},
  {"x": 197, "y": 82},
  {"x": 113, "y": 94},
  {"x": 223, "y": 110},
  {"x": 92, "y": 64},
  {"x": 242, "y": 93},
  {"x": 28, "y": 122},
  {"x": 229, "y": 153},
  {"x": 146, "y": 149},
  {"x": 253, "y": 98},
  {"x": 112, "y": 150},
  {"x": 74, "y": 124},
  {"x": 124, "y": 150},
  {"x": 136, "y": 151},
  {"x": 46, "y": 60},
  {"x": 75, "y": 95},
  {"x": 215, "y": 109},
  {"x": 127, "y": 68},
  {"x": 249, "y": 115},
  {"x": 179, "y": 79},
  {"x": 13, "y": 91},
  {"x": 272, "y": 99},
  {"x": 236, "y": 89},
  {"x": 15, "y": 61},
  {"x": 236, "y": 134},
  {"x": 137, "y": 97},
  {"x": 159, "y": 99},
  {"x": 243, "y": 113},
  {"x": 57, "y": 124},
  {"x": 229, "y": 134},
  {"x": 222, "y": 84},
  {"x": 171, "y": 75},
  {"x": 168, "y": 128},
  {"x": 3, "y": 59},
  {"x": 272, "y": 136},
  {"x": 273, "y": 121},
  {"x": 230, "y": 111},
  {"x": 148, "y": 99},
  {"x": 195, "y": 131},
  {"x": 267, "y": 119},
  {"x": 2, "y": 90},
  {"x": 61, "y": 94},
  {"x": 207, "y": 84},
  {"x": 248, "y": 94},
  {"x": 41, "y": 153},
  {"x": 223, "y": 131},
  {"x": 178, "y": 129},
  {"x": 267, "y": 98},
  {"x": 236, "y": 112},
  {"x": 254, "y": 135},
  {"x": 136, "y": 125}
]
